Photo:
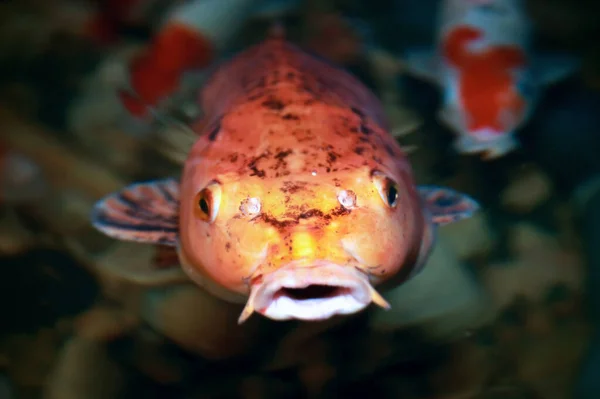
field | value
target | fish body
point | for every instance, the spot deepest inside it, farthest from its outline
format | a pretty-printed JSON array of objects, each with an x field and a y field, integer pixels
[
  {"x": 490, "y": 79},
  {"x": 294, "y": 200}
]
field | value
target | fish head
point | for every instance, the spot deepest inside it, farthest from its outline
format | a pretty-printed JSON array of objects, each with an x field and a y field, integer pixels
[{"x": 305, "y": 247}]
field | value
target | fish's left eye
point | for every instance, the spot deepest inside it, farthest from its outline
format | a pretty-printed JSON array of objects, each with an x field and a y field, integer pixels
[
  {"x": 207, "y": 202},
  {"x": 387, "y": 188}
]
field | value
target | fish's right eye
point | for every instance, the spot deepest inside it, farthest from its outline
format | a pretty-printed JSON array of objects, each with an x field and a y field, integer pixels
[{"x": 207, "y": 202}]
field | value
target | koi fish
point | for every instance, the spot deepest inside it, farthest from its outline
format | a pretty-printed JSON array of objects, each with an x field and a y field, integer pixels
[
  {"x": 489, "y": 78},
  {"x": 189, "y": 40},
  {"x": 294, "y": 200},
  {"x": 21, "y": 179}
]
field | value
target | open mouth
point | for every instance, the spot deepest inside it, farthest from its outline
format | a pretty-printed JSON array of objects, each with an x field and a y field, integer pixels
[{"x": 316, "y": 292}]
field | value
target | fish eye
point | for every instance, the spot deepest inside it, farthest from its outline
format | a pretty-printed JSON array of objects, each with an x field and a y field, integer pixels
[
  {"x": 207, "y": 202},
  {"x": 387, "y": 188}
]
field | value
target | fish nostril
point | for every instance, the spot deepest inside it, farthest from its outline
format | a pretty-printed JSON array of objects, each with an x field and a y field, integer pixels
[
  {"x": 347, "y": 198},
  {"x": 250, "y": 206}
]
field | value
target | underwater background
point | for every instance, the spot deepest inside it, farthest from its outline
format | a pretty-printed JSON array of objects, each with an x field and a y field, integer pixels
[{"x": 506, "y": 306}]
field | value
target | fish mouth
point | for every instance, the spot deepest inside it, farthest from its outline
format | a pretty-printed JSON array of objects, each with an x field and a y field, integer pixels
[{"x": 315, "y": 292}]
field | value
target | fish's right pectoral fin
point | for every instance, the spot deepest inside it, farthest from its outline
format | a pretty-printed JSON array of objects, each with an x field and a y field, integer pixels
[
  {"x": 422, "y": 63},
  {"x": 143, "y": 212}
]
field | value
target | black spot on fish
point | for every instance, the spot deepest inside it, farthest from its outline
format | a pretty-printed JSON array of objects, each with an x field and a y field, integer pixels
[
  {"x": 252, "y": 165},
  {"x": 364, "y": 129},
  {"x": 389, "y": 149},
  {"x": 274, "y": 104},
  {"x": 215, "y": 131},
  {"x": 278, "y": 224},
  {"x": 340, "y": 211},
  {"x": 311, "y": 213},
  {"x": 256, "y": 171},
  {"x": 332, "y": 156},
  {"x": 357, "y": 112},
  {"x": 295, "y": 215},
  {"x": 282, "y": 154},
  {"x": 292, "y": 187},
  {"x": 290, "y": 117}
]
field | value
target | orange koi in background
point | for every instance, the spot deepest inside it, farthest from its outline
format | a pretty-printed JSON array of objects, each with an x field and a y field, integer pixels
[
  {"x": 295, "y": 201},
  {"x": 485, "y": 67}
]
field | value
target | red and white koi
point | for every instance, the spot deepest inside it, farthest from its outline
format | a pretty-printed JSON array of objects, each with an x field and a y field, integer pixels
[{"x": 489, "y": 77}]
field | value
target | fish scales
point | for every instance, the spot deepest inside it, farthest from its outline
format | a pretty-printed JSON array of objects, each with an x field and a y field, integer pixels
[{"x": 302, "y": 100}]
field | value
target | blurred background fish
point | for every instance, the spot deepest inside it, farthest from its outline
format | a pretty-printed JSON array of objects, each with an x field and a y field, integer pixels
[{"x": 490, "y": 79}]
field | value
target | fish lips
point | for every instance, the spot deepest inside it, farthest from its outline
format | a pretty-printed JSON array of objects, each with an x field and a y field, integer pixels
[{"x": 317, "y": 291}]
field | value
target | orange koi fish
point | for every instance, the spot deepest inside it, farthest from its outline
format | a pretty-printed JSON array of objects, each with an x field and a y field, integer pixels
[
  {"x": 294, "y": 200},
  {"x": 20, "y": 178},
  {"x": 189, "y": 40},
  {"x": 490, "y": 80}
]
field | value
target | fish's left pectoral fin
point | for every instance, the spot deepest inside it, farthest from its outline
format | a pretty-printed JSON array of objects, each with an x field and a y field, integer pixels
[
  {"x": 143, "y": 212},
  {"x": 447, "y": 205},
  {"x": 551, "y": 68},
  {"x": 422, "y": 63}
]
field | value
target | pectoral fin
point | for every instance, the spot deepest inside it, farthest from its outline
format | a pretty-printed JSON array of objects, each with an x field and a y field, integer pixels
[
  {"x": 142, "y": 212},
  {"x": 446, "y": 205}
]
